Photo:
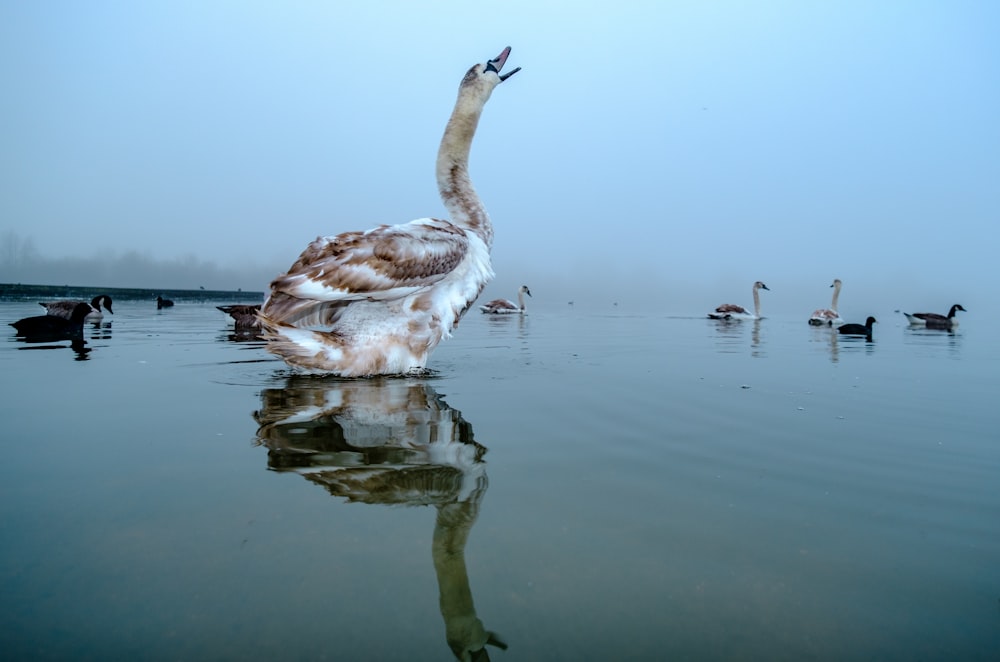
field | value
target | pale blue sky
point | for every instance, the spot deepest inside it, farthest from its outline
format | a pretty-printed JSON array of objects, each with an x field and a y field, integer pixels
[{"x": 674, "y": 150}]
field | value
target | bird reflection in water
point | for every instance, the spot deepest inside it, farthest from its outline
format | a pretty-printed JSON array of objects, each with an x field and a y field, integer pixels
[
  {"x": 826, "y": 338},
  {"x": 99, "y": 330},
  {"x": 756, "y": 347},
  {"x": 81, "y": 351},
  {"x": 730, "y": 336},
  {"x": 389, "y": 441},
  {"x": 76, "y": 343}
]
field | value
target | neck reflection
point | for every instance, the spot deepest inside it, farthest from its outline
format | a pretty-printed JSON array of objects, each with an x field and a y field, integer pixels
[{"x": 389, "y": 441}]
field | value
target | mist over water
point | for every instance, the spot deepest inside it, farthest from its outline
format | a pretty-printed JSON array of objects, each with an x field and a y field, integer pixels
[
  {"x": 131, "y": 269},
  {"x": 596, "y": 286},
  {"x": 663, "y": 157}
]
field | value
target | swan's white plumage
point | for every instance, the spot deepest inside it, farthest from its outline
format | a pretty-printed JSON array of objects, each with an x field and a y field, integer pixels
[
  {"x": 506, "y": 306},
  {"x": 828, "y": 316},
  {"x": 732, "y": 311},
  {"x": 380, "y": 301}
]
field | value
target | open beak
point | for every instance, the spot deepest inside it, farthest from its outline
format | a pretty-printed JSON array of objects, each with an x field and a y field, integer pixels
[{"x": 496, "y": 64}]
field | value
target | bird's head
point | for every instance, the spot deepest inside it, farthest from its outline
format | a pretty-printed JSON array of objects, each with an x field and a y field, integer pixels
[{"x": 485, "y": 76}]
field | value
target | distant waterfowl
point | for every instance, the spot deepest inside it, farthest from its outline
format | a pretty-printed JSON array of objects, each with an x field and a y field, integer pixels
[
  {"x": 731, "y": 311},
  {"x": 163, "y": 303},
  {"x": 384, "y": 298},
  {"x": 858, "y": 329},
  {"x": 935, "y": 320},
  {"x": 506, "y": 306},
  {"x": 244, "y": 314},
  {"x": 52, "y": 326},
  {"x": 65, "y": 307},
  {"x": 828, "y": 316}
]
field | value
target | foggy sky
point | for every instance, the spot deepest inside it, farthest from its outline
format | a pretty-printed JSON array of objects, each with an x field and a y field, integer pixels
[{"x": 648, "y": 151}]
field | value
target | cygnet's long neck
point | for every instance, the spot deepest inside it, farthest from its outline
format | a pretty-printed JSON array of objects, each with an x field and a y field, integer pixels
[
  {"x": 457, "y": 193},
  {"x": 520, "y": 300},
  {"x": 756, "y": 301},
  {"x": 836, "y": 294}
]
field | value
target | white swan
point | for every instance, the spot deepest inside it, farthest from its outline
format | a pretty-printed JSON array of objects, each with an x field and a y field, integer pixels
[
  {"x": 387, "y": 296},
  {"x": 729, "y": 311},
  {"x": 828, "y": 316},
  {"x": 935, "y": 320},
  {"x": 64, "y": 308},
  {"x": 506, "y": 306}
]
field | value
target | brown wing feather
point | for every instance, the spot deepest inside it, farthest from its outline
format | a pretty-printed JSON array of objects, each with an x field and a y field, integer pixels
[
  {"x": 730, "y": 308},
  {"x": 500, "y": 303},
  {"x": 245, "y": 314},
  {"x": 359, "y": 265},
  {"x": 284, "y": 308},
  {"x": 385, "y": 263}
]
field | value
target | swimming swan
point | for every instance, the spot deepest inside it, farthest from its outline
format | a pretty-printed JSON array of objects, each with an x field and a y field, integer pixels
[
  {"x": 506, "y": 306},
  {"x": 935, "y": 320},
  {"x": 64, "y": 308},
  {"x": 387, "y": 296},
  {"x": 731, "y": 311},
  {"x": 828, "y": 316}
]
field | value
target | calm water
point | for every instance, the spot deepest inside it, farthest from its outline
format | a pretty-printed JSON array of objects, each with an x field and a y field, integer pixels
[{"x": 585, "y": 484}]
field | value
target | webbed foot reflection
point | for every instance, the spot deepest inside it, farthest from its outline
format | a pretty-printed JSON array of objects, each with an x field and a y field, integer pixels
[{"x": 396, "y": 442}]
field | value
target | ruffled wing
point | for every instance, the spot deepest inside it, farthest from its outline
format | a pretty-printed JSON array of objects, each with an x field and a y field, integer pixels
[
  {"x": 385, "y": 263},
  {"x": 499, "y": 304}
]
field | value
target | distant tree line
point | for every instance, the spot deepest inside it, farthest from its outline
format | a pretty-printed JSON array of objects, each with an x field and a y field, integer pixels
[{"x": 21, "y": 262}]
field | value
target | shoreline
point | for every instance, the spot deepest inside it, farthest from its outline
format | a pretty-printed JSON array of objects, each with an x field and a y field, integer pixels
[{"x": 22, "y": 292}]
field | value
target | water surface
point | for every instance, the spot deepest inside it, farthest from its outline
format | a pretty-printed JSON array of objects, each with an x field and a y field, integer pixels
[{"x": 584, "y": 484}]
